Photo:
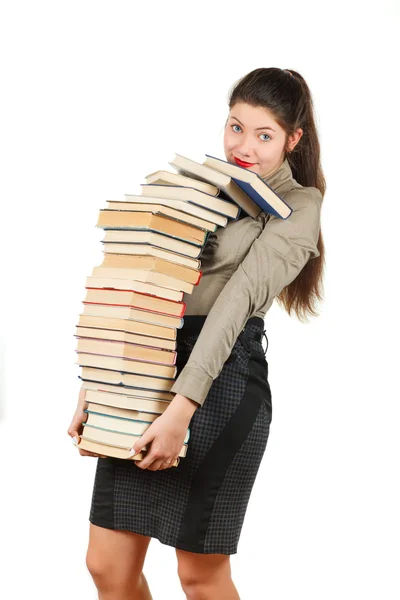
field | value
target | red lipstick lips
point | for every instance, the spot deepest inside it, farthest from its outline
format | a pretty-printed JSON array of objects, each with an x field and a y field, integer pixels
[{"x": 241, "y": 163}]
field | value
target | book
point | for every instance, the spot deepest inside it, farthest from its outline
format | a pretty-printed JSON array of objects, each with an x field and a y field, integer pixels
[
  {"x": 152, "y": 263},
  {"x": 118, "y": 424},
  {"x": 142, "y": 221},
  {"x": 114, "y": 283},
  {"x": 128, "y": 313},
  {"x": 126, "y": 365},
  {"x": 135, "y": 300},
  {"x": 159, "y": 240},
  {"x": 128, "y": 326},
  {"x": 124, "y": 380},
  {"x": 146, "y": 276},
  {"x": 121, "y": 336},
  {"x": 263, "y": 195},
  {"x": 218, "y": 205},
  {"x": 148, "y": 250},
  {"x": 128, "y": 413},
  {"x": 126, "y": 350},
  {"x": 115, "y": 452},
  {"x": 167, "y": 178},
  {"x": 113, "y": 438},
  {"x": 161, "y": 208},
  {"x": 117, "y": 395},
  {"x": 182, "y": 205},
  {"x": 192, "y": 168}
]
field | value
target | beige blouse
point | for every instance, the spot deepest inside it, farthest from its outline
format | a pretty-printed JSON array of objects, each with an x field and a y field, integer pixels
[{"x": 245, "y": 265}]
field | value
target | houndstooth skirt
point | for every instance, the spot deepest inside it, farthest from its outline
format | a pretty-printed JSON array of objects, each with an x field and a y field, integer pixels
[{"x": 200, "y": 505}]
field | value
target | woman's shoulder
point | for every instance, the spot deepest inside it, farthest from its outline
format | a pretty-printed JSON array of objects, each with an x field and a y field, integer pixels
[
  {"x": 303, "y": 199},
  {"x": 305, "y": 203},
  {"x": 299, "y": 193}
]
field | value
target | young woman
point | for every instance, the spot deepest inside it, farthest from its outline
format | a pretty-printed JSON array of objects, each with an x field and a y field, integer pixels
[{"x": 222, "y": 390}]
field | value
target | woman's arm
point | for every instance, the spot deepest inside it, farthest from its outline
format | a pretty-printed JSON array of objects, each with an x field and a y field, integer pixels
[{"x": 274, "y": 260}]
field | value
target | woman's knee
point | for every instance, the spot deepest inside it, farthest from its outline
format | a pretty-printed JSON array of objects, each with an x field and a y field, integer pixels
[
  {"x": 196, "y": 570},
  {"x": 115, "y": 556}
]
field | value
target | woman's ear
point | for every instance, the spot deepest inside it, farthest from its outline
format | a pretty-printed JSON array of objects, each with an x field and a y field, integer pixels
[{"x": 294, "y": 139}]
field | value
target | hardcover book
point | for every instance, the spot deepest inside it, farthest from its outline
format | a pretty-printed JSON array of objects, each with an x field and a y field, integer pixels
[{"x": 253, "y": 185}]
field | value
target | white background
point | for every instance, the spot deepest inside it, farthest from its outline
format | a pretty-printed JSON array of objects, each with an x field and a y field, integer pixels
[{"x": 96, "y": 95}]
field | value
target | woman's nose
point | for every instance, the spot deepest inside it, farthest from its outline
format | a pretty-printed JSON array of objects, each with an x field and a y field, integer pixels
[{"x": 244, "y": 148}]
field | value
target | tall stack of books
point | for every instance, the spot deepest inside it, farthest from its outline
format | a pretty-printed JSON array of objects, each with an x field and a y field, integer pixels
[{"x": 134, "y": 303}]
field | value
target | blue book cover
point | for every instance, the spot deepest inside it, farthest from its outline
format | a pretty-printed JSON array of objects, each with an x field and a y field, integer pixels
[{"x": 249, "y": 188}]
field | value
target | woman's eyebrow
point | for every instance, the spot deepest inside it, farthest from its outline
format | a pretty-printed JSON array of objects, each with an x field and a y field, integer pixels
[{"x": 258, "y": 128}]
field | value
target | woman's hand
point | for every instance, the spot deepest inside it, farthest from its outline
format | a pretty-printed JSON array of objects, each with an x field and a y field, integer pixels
[
  {"x": 166, "y": 434},
  {"x": 75, "y": 429}
]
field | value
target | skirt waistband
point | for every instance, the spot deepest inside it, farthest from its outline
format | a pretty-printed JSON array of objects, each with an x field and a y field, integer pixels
[
  {"x": 253, "y": 329},
  {"x": 193, "y": 324}
]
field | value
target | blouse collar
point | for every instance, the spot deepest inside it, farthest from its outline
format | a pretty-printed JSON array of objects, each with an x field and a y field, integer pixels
[{"x": 281, "y": 180}]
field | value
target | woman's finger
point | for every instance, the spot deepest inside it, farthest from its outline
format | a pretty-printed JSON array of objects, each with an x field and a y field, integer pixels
[
  {"x": 75, "y": 440},
  {"x": 159, "y": 465},
  {"x": 76, "y": 427},
  {"x": 86, "y": 453},
  {"x": 82, "y": 395},
  {"x": 148, "y": 459}
]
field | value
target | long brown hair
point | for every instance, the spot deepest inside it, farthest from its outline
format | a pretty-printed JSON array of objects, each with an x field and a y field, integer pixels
[{"x": 287, "y": 96}]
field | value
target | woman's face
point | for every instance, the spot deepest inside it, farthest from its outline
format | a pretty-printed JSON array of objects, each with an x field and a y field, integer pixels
[{"x": 253, "y": 136}]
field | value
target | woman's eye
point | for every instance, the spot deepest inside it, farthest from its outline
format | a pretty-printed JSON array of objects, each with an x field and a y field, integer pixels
[{"x": 235, "y": 125}]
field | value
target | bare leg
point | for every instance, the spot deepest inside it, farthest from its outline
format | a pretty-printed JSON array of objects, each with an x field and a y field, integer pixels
[
  {"x": 142, "y": 592},
  {"x": 206, "y": 576},
  {"x": 115, "y": 560},
  {"x": 143, "y": 589}
]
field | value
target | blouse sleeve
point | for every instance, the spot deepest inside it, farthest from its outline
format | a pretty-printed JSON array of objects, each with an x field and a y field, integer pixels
[{"x": 274, "y": 260}]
